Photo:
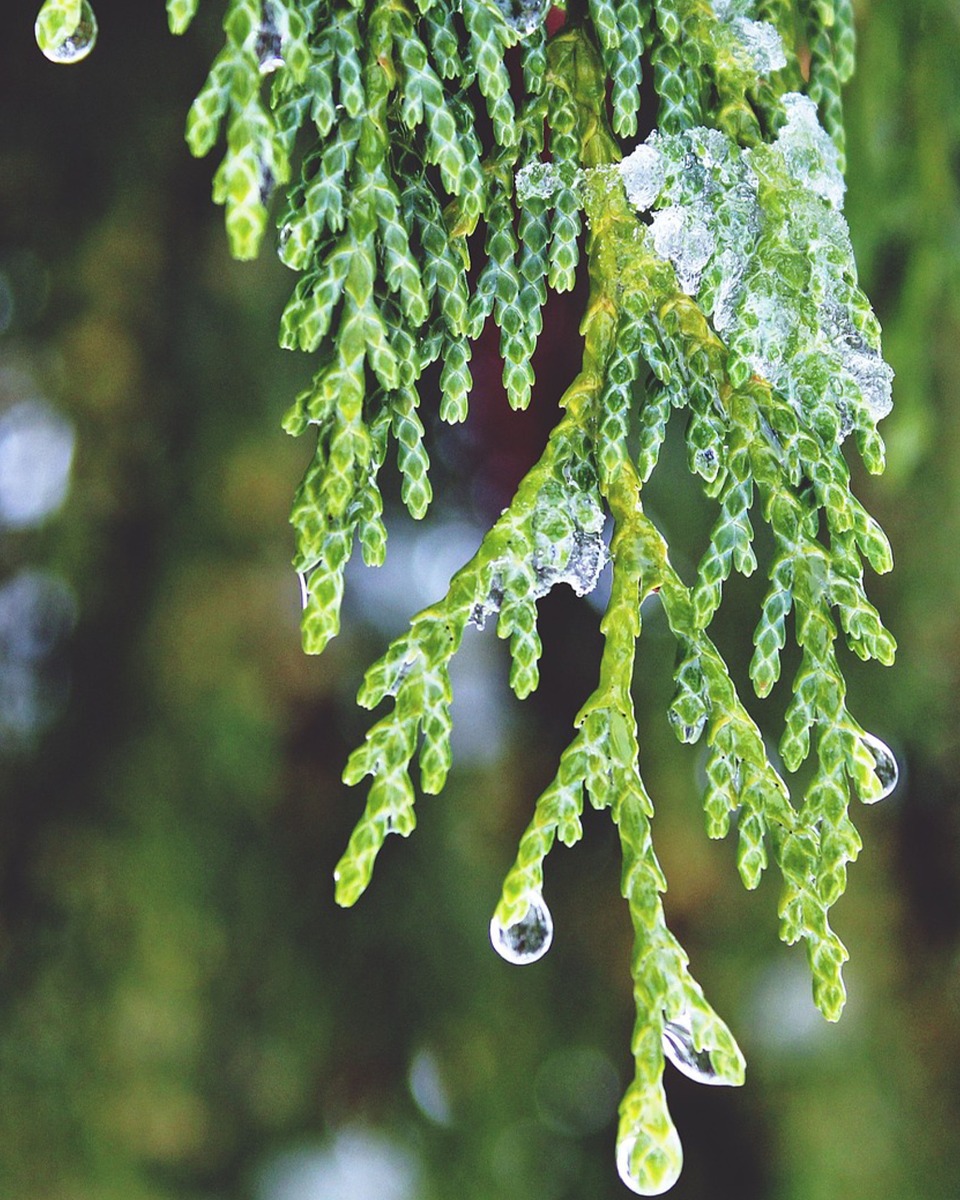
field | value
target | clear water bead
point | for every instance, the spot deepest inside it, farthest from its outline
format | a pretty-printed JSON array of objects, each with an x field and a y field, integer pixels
[
  {"x": 678, "y": 1046},
  {"x": 649, "y": 1184},
  {"x": 525, "y": 940},
  {"x": 303, "y": 580},
  {"x": 76, "y": 45},
  {"x": 885, "y": 767}
]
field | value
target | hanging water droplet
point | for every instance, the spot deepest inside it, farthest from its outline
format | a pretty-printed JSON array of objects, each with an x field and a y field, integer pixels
[
  {"x": 649, "y": 1183},
  {"x": 687, "y": 732},
  {"x": 525, "y": 940},
  {"x": 885, "y": 767},
  {"x": 66, "y": 46},
  {"x": 679, "y": 1048}
]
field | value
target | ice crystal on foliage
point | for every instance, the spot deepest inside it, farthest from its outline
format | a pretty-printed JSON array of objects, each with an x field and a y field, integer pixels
[
  {"x": 268, "y": 45},
  {"x": 568, "y": 547},
  {"x": 543, "y": 181},
  {"x": 759, "y": 238},
  {"x": 538, "y": 181},
  {"x": 729, "y": 287},
  {"x": 523, "y": 16},
  {"x": 643, "y": 175},
  {"x": 758, "y": 40},
  {"x": 807, "y": 150},
  {"x": 681, "y": 234},
  {"x": 762, "y": 42},
  {"x": 568, "y": 544}
]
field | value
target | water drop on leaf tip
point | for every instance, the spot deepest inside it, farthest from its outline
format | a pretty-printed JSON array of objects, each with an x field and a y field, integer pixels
[
  {"x": 652, "y": 1184},
  {"x": 76, "y": 45},
  {"x": 679, "y": 1047},
  {"x": 885, "y": 767},
  {"x": 525, "y": 940}
]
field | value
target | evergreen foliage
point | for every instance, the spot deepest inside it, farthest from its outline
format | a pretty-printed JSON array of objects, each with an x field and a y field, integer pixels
[{"x": 398, "y": 147}]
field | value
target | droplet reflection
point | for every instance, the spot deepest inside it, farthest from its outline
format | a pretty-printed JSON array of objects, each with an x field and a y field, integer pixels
[
  {"x": 76, "y": 45},
  {"x": 525, "y": 940},
  {"x": 524, "y": 16},
  {"x": 650, "y": 1183},
  {"x": 678, "y": 1046},
  {"x": 885, "y": 767}
]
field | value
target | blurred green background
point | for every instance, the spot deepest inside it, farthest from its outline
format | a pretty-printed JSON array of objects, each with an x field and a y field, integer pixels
[{"x": 184, "y": 1013}]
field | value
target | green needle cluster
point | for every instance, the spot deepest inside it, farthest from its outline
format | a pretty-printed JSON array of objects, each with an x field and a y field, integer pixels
[{"x": 400, "y": 141}]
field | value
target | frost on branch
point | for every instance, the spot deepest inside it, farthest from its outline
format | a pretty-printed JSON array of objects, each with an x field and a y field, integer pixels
[
  {"x": 421, "y": 190},
  {"x": 758, "y": 237}
]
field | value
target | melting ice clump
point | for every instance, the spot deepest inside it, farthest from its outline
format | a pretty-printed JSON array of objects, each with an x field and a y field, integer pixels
[
  {"x": 544, "y": 181},
  {"x": 643, "y": 174},
  {"x": 568, "y": 547},
  {"x": 758, "y": 237},
  {"x": 762, "y": 43},
  {"x": 807, "y": 150},
  {"x": 758, "y": 40},
  {"x": 681, "y": 234}
]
